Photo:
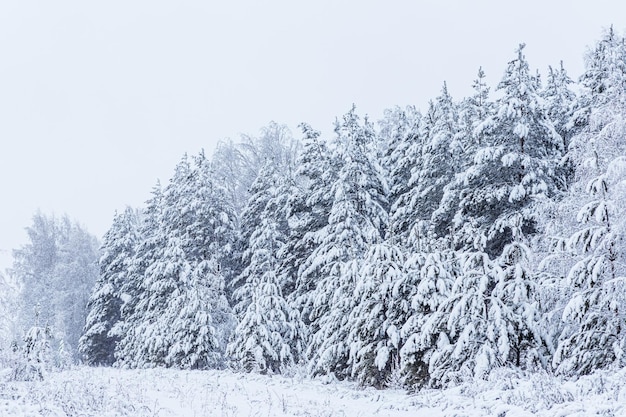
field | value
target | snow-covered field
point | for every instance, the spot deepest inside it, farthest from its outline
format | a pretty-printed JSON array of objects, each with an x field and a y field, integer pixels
[{"x": 161, "y": 392}]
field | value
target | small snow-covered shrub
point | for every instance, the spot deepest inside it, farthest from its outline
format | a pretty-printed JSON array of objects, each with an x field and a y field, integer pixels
[{"x": 36, "y": 358}]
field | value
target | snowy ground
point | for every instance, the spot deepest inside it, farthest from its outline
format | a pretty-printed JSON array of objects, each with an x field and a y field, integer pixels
[{"x": 159, "y": 392}]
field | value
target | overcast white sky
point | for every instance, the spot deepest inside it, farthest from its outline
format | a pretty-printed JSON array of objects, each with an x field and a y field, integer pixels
[{"x": 98, "y": 99}]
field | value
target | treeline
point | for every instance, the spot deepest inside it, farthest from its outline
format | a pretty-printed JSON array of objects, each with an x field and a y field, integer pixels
[{"x": 432, "y": 247}]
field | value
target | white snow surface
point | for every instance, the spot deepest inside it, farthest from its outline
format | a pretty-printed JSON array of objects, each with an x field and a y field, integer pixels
[{"x": 107, "y": 392}]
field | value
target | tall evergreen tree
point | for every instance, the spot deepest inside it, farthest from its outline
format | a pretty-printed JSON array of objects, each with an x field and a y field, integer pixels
[
  {"x": 474, "y": 114},
  {"x": 472, "y": 345},
  {"x": 130, "y": 348},
  {"x": 308, "y": 208},
  {"x": 406, "y": 133},
  {"x": 605, "y": 69},
  {"x": 594, "y": 333},
  {"x": 489, "y": 320},
  {"x": 267, "y": 201},
  {"x": 270, "y": 335},
  {"x": 374, "y": 333},
  {"x": 558, "y": 101},
  {"x": 182, "y": 318},
  {"x": 98, "y": 344},
  {"x": 441, "y": 157},
  {"x": 513, "y": 169},
  {"x": 357, "y": 220},
  {"x": 424, "y": 332}
]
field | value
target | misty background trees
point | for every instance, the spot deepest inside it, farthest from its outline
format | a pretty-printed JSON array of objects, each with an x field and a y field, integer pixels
[{"x": 431, "y": 247}]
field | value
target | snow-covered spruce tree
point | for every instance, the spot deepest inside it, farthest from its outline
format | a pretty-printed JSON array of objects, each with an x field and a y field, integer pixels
[
  {"x": 199, "y": 318},
  {"x": 197, "y": 313},
  {"x": 37, "y": 354},
  {"x": 423, "y": 333},
  {"x": 130, "y": 350},
  {"x": 605, "y": 71},
  {"x": 275, "y": 147},
  {"x": 471, "y": 346},
  {"x": 405, "y": 132},
  {"x": 515, "y": 294},
  {"x": 375, "y": 334},
  {"x": 441, "y": 157},
  {"x": 307, "y": 211},
  {"x": 166, "y": 264},
  {"x": 267, "y": 201},
  {"x": 182, "y": 318},
  {"x": 512, "y": 169},
  {"x": 357, "y": 220},
  {"x": 559, "y": 101},
  {"x": 473, "y": 112},
  {"x": 270, "y": 335},
  {"x": 594, "y": 336},
  {"x": 306, "y": 205},
  {"x": 490, "y": 319},
  {"x": 97, "y": 344}
]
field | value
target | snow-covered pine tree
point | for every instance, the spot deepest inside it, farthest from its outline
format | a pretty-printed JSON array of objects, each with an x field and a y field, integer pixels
[
  {"x": 97, "y": 344},
  {"x": 267, "y": 201},
  {"x": 594, "y": 336},
  {"x": 605, "y": 70},
  {"x": 512, "y": 169},
  {"x": 490, "y": 319},
  {"x": 424, "y": 332},
  {"x": 558, "y": 101},
  {"x": 441, "y": 158},
  {"x": 307, "y": 210},
  {"x": 181, "y": 317},
  {"x": 198, "y": 315},
  {"x": 357, "y": 220},
  {"x": 270, "y": 335},
  {"x": 604, "y": 78},
  {"x": 520, "y": 340},
  {"x": 130, "y": 348},
  {"x": 472, "y": 345},
  {"x": 473, "y": 112},
  {"x": 405, "y": 132},
  {"x": 375, "y": 334}
]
